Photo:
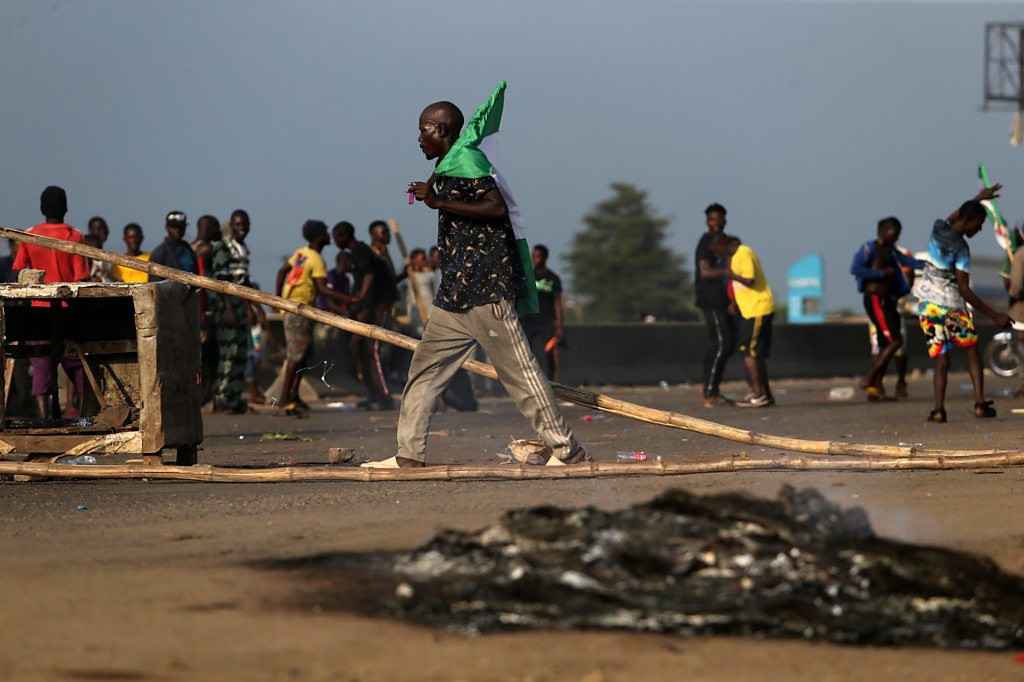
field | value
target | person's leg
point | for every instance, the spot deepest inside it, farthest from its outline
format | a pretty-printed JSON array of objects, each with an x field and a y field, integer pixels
[
  {"x": 42, "y": 377},
  {"x": 881, "y": 311},
  {"x": 715, "y": 353},
  {"x": 233, "y": 346},
  {"x": 297, "y": 336},
  {"x": 378, "y": 395},
  {"x": 764, "y": 349},
  {"x": 977, "y": 376},
  {"x": 72, "y": 365},
  {"x": 445, "y": 345},
  {"x": 496, "y": 328},
  {"x": 750, "y": 340},
  {"x": 939, "y": 381},
  {"x": 763, "y": 370},
  {"x": 754, "y": 372},
  {"x": 932, "y": 318}
]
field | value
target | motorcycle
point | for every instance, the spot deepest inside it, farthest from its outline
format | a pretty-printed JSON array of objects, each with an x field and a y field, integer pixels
[{"x": 1004, "y": 354}]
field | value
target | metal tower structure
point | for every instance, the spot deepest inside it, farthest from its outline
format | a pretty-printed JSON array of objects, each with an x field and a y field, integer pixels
[{"x": 1004, "y": 72}]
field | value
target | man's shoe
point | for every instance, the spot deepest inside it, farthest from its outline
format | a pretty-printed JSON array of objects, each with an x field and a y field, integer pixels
[
  {"x": 578, "y": 457},
  {"x": 901, "y": 390},
  {"x": 715, "y": 401},
  {"x": 763, "y": 400}
]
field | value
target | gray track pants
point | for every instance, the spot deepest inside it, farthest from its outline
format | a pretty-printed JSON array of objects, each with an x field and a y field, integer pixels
[{"x": 450, "y": 339}]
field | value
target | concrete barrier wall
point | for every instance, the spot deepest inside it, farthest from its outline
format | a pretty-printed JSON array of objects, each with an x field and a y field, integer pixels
[{"x": 639, "y": 354}]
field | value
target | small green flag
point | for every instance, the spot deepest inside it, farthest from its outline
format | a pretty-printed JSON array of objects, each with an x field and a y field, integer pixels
[{"x": 466, "y": 160}]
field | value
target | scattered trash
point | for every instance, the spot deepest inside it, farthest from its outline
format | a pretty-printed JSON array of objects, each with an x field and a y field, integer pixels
[
  {"x": 341, "y": 405},
  {"x": 663, "y": 384},
  {"x": 79, "y": 460},
  {"x": 988, "y": 436},
  {"x": 907, "y": 444},
  {"x": 636, "y": 456},
  {"x": 241, "y": 438},
  {"x": 1017, "y": 410},
  {"x": 798, "y": 566},
  {"x": 841, "y": 393},
  {"x": 81, "y": 507},
  {"x": 526, "y": 451},
  {"x": 966, "y": 387},
  {"x": 335, "y": 455},
  {"x": 264, "y": 437},
  {"x": 594, "y": 417}
]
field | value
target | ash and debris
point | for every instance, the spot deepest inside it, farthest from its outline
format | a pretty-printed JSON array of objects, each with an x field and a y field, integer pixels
[{"x": 732, "y": 564}]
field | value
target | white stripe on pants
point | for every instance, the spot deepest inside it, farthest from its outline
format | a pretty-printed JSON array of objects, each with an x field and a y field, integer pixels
[{"x": 448, "y": 340}]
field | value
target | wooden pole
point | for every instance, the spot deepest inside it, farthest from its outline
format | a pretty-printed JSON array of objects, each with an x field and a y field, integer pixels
[
  {"x": 525, "y": 472},
  {"x": 596, "y": 401}
]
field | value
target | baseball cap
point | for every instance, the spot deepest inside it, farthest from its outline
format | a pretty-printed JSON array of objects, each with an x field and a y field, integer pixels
[{"x": 177, "y": 219}]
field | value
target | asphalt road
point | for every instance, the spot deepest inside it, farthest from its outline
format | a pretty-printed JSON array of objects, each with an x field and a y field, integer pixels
[{"x": 163, "y": 580}]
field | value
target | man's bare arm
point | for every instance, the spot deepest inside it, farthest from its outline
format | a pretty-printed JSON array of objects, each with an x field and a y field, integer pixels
[
  {"x": 708, "y": 272},
  {"x": 490, "y": 207},
  {"x": 963, "y": 284},
  {"x": 984, "y": 195}
]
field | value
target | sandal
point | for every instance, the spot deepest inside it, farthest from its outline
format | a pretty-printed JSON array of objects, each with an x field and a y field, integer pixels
[
  {"x": 984, "y": 410},
  {"x": 580, "y": 456},
  {"x": 938, "y": 416},
  {"x": 877, "y": 394}
]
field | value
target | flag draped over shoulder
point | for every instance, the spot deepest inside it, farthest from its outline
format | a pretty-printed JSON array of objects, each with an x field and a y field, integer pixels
[{"x": 466, "y": 159}]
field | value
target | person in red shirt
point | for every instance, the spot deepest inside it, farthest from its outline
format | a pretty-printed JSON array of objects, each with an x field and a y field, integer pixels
[{"x": 59, "y": 267}]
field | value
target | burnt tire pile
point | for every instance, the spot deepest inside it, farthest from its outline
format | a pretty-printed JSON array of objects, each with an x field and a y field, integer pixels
[{"x": 797, "y": 566}]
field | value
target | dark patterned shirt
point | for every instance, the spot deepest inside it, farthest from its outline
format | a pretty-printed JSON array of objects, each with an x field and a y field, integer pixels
[{"x": 479, "y": 260}]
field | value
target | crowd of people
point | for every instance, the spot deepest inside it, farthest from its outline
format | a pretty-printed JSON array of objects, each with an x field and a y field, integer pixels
[
  {"x": 363, "y": 284},
  {"x": 738, "y": 305}
]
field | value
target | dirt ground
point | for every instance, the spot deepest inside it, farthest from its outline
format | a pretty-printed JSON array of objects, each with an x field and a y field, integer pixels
[{"x": 161, "y": 580}]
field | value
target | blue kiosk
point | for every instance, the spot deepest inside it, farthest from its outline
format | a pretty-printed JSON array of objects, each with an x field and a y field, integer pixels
[{"x": 805, "y": 284}]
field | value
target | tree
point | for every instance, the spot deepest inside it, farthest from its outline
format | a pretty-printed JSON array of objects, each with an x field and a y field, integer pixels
[{"x": 620, "y": 265}]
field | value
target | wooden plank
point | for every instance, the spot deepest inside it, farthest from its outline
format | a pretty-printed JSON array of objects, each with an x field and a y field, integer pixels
[
  {"x": 25, "y": 445},
  {"x": 112, "y": 347},
  {"x": 64, "y": 290}
]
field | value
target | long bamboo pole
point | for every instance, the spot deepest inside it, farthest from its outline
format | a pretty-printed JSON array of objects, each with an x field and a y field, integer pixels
[
  {"x": 589, "y": 399},
  {"x": 205, "y": 472}
]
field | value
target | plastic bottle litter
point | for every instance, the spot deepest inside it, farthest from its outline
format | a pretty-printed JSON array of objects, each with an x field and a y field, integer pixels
[
  {"x": 80, "y": 459},
  {"x": 636, "y": 456},
  {"x": 841, "y": 393}
]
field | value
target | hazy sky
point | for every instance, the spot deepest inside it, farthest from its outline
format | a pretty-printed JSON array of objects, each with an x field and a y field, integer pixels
[{"x": 809, "y": 121}]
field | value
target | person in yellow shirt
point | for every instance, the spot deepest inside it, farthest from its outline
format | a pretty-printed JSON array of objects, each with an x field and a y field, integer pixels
[
  {"x": 300, "y": 279},
  {"x": 756, "y": 305},
  {"x": 133, "y": 240}
]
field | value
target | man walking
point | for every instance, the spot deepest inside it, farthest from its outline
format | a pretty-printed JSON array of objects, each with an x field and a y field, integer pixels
[
  {"x": 878, "y": 267},
  {"x": 481, "y": 277}
]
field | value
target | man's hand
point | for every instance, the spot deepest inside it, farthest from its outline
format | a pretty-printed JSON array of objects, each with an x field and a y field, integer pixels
[
  {"x": 989, "y": 192},
  {"x": 1002, "y": 320},
  {"x": 423, "y": 192}
]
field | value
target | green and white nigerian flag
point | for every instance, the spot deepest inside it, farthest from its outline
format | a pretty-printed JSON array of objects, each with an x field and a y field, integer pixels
[
  {"x": 466, "y": 159},
  {"x": 1005, "y": 237}
]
